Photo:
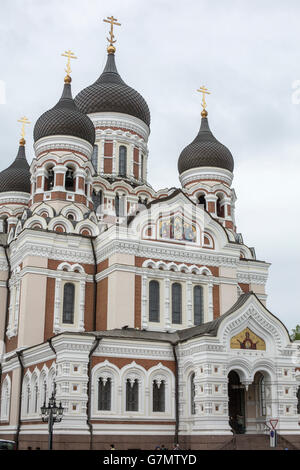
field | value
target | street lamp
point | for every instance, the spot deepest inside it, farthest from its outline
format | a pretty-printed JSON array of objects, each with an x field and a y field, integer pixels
[{"x": 51, "y": 414}]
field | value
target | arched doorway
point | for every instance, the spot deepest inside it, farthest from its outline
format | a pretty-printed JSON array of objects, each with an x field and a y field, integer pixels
[{"x": 236, "y": 406}]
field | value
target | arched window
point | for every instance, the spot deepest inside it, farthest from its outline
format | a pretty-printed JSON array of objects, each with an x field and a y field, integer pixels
[
  {"x": 220, "y": 209},
  {"x": 176, "y": 303},
  {"x": 120, "y": 205},
  {"x": 193, "y": 393},
  {"x": 198, "y": 305},
  {"x": 68, "y": 306},
  {"x": 158, "y": 389},
  {"x": 49, "y": 180},
  {"x": 5, "y": 399},
  {"x": 132, "y": 395},
  {"x": 142, "y": 166},
  {"x": 94, "y": 158},
  {"x": 122, "y": 160},
  {"x": 28, "y": 399},
  {"x": 262, "y": 396},
  {"x": 298, "y": 404},
  {"x": 104, "y": 394},
  {"x": 35, "y": 397},
  {"x": 70, "y": 181},
  {"x": 154, "y": 307},
  {"x": 97, "y": 200},
  {"x": 202, "y": 200}
]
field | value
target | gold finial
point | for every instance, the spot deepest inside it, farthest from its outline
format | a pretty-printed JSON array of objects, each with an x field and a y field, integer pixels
[
  {"x": 113, "y": 22},
  {"x": 204, "y": 92},
  {"x": 70, "y": 55},
  {"x": 23, "y": 121}
]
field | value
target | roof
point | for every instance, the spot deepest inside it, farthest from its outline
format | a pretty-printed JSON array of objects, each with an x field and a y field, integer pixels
[
  {"x": 65, "y": 119},
  {"x": 205, "y": 151},
  {"x": 110, "y": 93},
  {"x": 17, "y": 176}
]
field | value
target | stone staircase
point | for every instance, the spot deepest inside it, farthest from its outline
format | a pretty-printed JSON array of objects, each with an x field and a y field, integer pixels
[{"x": 257, "y": 442}]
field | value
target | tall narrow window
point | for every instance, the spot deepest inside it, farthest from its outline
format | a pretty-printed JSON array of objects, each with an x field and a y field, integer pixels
[
  {"x": 132, "y": 395},
  {"x": 70, "y": 181},
  {"x": 193, "y": 392},
  {"x": 298, "y": 404},
  {"x": 104, "y": 394},
  {"x": 142, "y": 166},
  {"x": 176, "y": 303},
  {"x": 262, "y": 396},
  {"x": 68, "y": 306},
  {"x": 97, "y": 200},
  {"x": 159, "y": 396},
  {"x": 154, "y": 301},
  {"x": 36, "y": 390},
  {"x": 49, "y": 180},
  {"x": 117, "y": 205},
  {"x": 220, "y": 208},
  {"x": 122, "y": 160},
  {"x": 28, "y": 400},
  {"x": 198, "y": 305},
  {"x": 95, "y": 158},
  {"x": 202, "y": 200}
]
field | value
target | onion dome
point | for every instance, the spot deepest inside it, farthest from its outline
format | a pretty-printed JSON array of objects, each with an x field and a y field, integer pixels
[
  {"x": 65, "y": 119},
  {"x": 111, "y": 94},
  {"x": 205, "y": 151},
  {"x": 16, "y": 178}
]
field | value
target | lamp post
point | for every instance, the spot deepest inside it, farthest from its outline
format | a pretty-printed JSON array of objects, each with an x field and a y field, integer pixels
[{"x": 51, "y": 414}]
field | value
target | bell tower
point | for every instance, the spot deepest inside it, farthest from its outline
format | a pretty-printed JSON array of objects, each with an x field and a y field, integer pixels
[{"x": 206, "y": 171}]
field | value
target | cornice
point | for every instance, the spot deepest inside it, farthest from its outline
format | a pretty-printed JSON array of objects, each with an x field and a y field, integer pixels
[
  {"x": 162, "y": 251},
  {"x": 123, "y": 121}
]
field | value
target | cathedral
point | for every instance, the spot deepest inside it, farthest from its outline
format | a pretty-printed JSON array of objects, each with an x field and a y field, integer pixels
[{"x": 143, "y": 311}]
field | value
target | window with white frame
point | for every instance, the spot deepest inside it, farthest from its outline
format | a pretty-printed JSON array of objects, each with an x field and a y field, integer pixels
[
  {"x": 68, "y": 303},
  {"x": 122, "y": 160},
  {"x": 176, "y": 303},
  {"x": 154, "y": 301},
  {"x": 104, "y": 393},
  {"x": 192, "y": 393},
  {"x": 5, "y": 399},
  {"x": 262, "y": 395},
  {"x": 158, "y": 394},
  {"x": 198, "y": 305},
  {"x": 132, "y": 395}
]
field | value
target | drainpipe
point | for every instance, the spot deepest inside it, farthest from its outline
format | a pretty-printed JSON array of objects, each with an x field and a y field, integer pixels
[
  {"x": 89, "y": 389},
  {"x": 176, "y": 394},
  {"x": 51, "y": 346},
  {"x": 8, "y": 291},
  {"x": 6, "y": 307},
  {"x": 20, "y": 357},
  {"x": 95, "y": 285}
]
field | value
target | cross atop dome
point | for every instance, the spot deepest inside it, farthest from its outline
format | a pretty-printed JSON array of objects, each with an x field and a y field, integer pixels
[
  {"x": 113, "y": 22},
  {"x": 204, "y": 92},
  {"x": 70, "y": 55},
  {"x": 23, "y": 121}
]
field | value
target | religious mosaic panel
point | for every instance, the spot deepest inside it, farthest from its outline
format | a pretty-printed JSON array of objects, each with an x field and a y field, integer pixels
[
  {"x": 176, "y": 228},
  {"x": 247, "y": 340}
]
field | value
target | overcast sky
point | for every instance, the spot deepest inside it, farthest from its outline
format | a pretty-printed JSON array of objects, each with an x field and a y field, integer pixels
[{"x": 248, "y": 55}]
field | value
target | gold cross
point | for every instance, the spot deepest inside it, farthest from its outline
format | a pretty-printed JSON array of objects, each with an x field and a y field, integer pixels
[
  {"x": 70, "y": 55},
  {"x": 23, "y": 121},
  {"x": 113, "y": 22},
  {"x": 204, "y": 92}
]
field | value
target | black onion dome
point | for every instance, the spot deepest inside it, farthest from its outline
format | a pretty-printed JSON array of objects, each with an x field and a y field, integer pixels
[
  {"x": 65, "y": 119},
  {"x": 205, "y": 150},
  {"x": 17, "y": 176},
  {"x": 111, "y": 94}
]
